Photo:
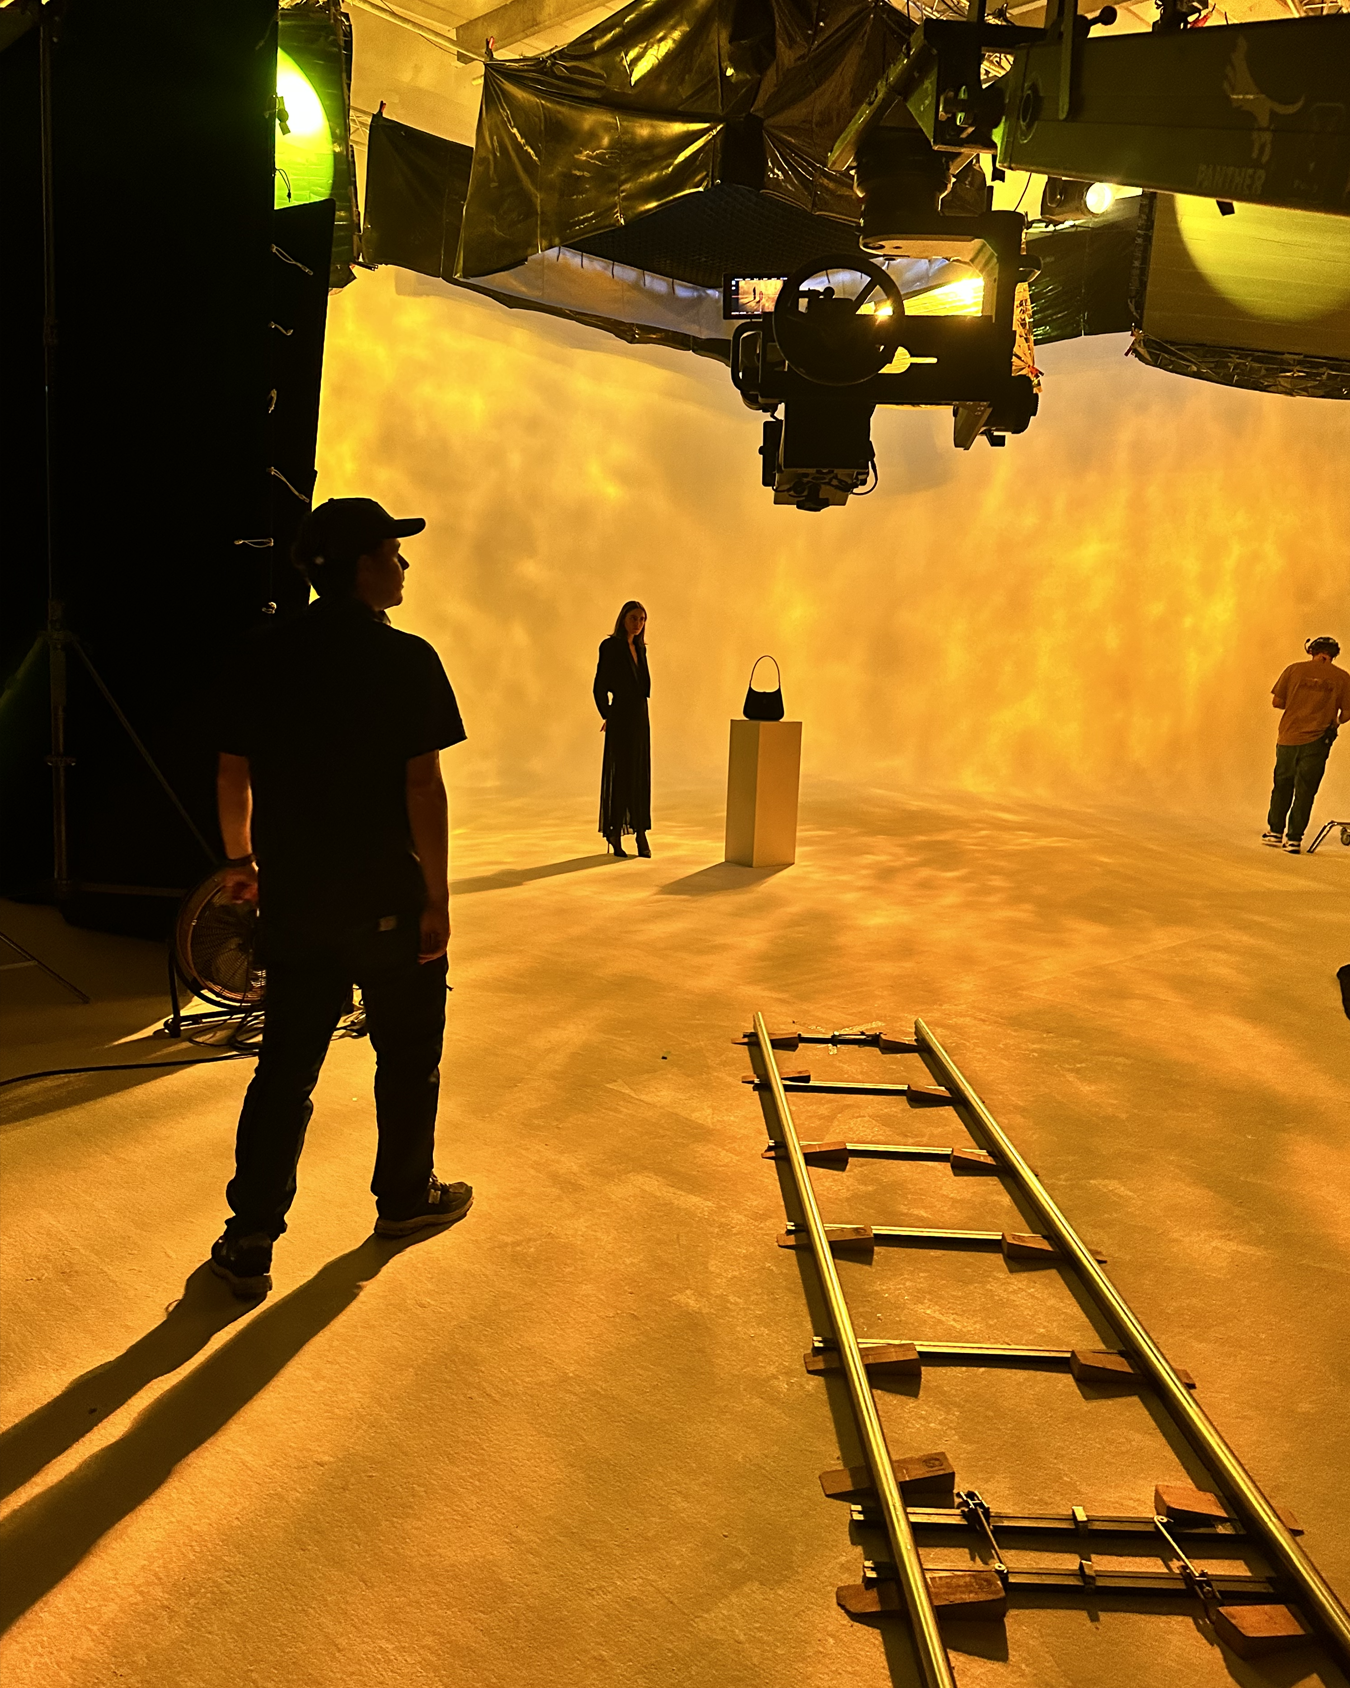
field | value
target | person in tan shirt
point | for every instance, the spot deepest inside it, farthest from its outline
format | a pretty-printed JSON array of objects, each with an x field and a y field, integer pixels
[{"x": 1314, "y": 697}]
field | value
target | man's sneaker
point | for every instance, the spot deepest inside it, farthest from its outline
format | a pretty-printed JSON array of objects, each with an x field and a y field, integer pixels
[
  {"x": 245, "y": 1263},
  {"x": 1274, "y": 839},
  {"x": 1294, "y": 846},
  {"x": 443, "y": 1205}
]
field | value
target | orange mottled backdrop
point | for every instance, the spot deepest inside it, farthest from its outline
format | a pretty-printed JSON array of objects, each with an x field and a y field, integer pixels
[{"x": 1094, "y": 614}]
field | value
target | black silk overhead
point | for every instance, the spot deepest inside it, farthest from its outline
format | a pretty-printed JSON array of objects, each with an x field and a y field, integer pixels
[
  {"x": 667, "y": 98},
  {"x": 416, "y": 186},
  {"x": 827, "y": 60},
  {"x": 1083, "y": 284}
]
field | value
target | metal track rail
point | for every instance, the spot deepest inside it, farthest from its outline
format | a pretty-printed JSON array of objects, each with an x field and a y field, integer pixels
[
  {"x": 934, "y": 1665},
  {"x": 1105, "y": 1582},
  {"x": 1306, "y": 1583},
  {"x": 1255, "y": 1520},
  {"x": 951, "y": 1521}
]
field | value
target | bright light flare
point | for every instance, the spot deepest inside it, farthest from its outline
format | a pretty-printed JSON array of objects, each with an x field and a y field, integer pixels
[
  {"x": 304, "y": 154},
  {"x": 964, "y": 297}
]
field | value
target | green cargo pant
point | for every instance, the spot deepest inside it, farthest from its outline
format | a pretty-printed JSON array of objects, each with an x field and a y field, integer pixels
[{"x": 1298, "y": 773}]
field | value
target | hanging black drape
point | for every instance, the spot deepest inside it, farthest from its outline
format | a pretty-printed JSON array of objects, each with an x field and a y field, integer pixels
[{"x": 668, "y": 98}]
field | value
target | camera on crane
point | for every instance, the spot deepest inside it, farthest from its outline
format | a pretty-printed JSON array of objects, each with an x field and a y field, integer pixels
[{"x": 927, "y": 318}]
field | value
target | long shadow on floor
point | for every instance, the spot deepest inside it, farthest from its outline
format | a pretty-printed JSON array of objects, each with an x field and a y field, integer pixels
[
  {"x": 722, "y": 876},
  {"x": 205, "y": 1309},
  {"x": 43, "y": 1540},
  {"x": 506, "y": 878}
]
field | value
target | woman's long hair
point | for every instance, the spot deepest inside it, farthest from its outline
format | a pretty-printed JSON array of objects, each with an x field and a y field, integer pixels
[{"x": 621, "y": 632}]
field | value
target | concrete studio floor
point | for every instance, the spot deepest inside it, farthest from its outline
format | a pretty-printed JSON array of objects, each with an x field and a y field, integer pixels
[{"x": 571, "y": 1443}]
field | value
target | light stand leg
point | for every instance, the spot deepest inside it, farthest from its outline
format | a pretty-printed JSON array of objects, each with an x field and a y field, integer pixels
[
  {"x": 145, "y": 755},
  {"x": 31, "y": 960},
  {"x": 58, "y": 761},
  {"x": 55, "y": 635}
]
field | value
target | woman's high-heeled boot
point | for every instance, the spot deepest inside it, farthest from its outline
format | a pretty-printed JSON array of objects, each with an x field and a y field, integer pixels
[
  {"x": 616, "y": 844},
  {"x": 643, "y": 847}
]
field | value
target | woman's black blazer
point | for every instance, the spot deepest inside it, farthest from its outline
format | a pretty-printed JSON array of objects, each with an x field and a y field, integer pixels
[{"x": 618, "y": 678}]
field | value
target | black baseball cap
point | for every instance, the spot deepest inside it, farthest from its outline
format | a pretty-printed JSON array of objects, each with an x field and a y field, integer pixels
[{"x": 347, "y": 528}]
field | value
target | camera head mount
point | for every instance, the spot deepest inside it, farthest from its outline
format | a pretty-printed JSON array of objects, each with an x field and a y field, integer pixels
[{"x": 831, "y": 337}]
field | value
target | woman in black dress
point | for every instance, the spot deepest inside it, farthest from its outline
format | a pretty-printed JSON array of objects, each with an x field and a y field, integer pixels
[{"x": 622, "y": 687}]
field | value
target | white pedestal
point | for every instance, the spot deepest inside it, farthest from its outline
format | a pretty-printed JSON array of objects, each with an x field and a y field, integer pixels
[{"x": 763, "y": 777}]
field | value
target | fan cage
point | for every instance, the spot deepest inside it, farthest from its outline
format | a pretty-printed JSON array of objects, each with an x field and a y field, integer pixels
[{"x": 213, "y": 946}]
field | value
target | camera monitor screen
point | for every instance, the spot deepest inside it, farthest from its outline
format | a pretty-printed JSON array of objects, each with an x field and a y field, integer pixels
[{"x": 750, "y": 295}]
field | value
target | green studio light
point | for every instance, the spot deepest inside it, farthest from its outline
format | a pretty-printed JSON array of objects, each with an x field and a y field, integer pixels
[{"x": 304, "y": 140}]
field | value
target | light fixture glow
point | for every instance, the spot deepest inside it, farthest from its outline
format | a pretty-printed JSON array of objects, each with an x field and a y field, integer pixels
[
  {"x": 1274, "y": 264},
  {"x": 1101, "y": 196},
  {"x": 304, "y": 151},
  {"x": 1065, "y": 200},
  {"x": 954, "y": 298}
]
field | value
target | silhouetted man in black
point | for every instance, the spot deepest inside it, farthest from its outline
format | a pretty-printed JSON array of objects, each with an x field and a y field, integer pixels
[{"x": 334, "y": 816}]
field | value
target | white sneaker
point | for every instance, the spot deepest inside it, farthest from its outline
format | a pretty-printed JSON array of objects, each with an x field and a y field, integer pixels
[
  {"x": 1294, "y": 846},
  {"x": 1274, "y": 839}
]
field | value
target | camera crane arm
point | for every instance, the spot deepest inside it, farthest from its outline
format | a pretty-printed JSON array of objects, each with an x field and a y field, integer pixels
[{"x": 1247, "y": 112}]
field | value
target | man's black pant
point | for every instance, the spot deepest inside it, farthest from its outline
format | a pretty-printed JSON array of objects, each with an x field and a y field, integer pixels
[
  {"x": 309, "y": 984},
  {"x": 1298, "y": 773}
]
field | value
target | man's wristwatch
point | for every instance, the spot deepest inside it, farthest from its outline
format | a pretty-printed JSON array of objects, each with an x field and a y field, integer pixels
[{"x": 240, "y": 861}]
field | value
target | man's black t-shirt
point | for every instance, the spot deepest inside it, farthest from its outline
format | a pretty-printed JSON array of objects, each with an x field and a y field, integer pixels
[{"x": 334, "y": 704}]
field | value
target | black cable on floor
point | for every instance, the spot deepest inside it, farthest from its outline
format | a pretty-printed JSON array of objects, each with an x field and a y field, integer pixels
[
  {"x": 131, "y": 1067},
  {"x": 245, "y": 1047}
]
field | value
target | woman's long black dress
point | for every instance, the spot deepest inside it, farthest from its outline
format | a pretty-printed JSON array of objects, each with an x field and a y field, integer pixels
[{"x": 622, "y": 688}]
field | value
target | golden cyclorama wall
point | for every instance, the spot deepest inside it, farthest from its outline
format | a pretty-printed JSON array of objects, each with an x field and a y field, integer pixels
[{"x": 1095, "y": 613}]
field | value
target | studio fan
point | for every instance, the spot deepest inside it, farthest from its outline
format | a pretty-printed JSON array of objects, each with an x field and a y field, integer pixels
[{"x": 212, "y": 953}]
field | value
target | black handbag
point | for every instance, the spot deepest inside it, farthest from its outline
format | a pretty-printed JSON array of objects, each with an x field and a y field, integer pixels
[{"x": 764, "y": 706}]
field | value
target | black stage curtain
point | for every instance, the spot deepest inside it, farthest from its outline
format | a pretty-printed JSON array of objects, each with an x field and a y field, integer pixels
[
  {"x": 416, "y": 185},
  {"x": 172, "y": 403},
  {"x": 303, "y": 238}
]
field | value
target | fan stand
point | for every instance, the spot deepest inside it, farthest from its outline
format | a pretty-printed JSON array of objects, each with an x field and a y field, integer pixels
[
  {"x": 173, "y": 1026},
  {"x": 187, "y": 979},
  {"x": 186, "y": 973}
]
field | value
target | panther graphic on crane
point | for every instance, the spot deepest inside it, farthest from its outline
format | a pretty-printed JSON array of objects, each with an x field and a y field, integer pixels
[{"x": 1240, "y": 86}]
